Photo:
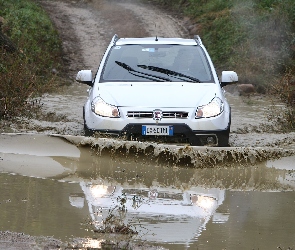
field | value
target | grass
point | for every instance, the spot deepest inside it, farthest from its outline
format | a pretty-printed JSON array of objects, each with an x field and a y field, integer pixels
[
  {"x": 256, "y": 38},
  {"x": 26, "y": 72},
  {"x": 28, "y": 25}
]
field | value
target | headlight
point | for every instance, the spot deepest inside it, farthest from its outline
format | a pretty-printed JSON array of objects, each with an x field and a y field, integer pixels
[
  {"x": 214, "y": 108},
  {"x": 99, "y": 107}
]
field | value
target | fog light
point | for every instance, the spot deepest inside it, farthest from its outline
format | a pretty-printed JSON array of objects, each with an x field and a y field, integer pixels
[{"x": 210, "y": 140}]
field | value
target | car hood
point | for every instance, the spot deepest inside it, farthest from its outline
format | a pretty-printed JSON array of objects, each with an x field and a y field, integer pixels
[{"x": 157, "y": 94}]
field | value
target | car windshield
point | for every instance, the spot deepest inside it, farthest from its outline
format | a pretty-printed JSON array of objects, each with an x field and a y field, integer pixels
[{"x": 139, "y": 63}]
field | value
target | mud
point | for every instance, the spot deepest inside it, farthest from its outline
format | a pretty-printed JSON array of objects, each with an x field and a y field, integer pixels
[
  {"x": 57, "y": 182},
  {"x": 19, "y": 241}
]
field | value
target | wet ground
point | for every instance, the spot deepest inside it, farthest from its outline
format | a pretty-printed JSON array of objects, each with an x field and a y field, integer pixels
[{"x": 56, "y": 183}]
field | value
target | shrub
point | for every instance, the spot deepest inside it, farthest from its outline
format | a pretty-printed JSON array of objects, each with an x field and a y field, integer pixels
[
  {"x": 25, "y": 70},
  {"x": 282, "y": 116},
  {"x": 19, "y": 86},
  {"x": 254, "y": 37}
]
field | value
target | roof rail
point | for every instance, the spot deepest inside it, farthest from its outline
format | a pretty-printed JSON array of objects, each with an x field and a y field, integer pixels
[
  {"x": 115, "y": 39},
  {"x": 198, "y": 39}
]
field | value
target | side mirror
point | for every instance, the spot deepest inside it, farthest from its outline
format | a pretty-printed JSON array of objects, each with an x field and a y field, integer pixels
[
  {"x": 228, "y": 77},
  {"x": 85, "y": 76}
]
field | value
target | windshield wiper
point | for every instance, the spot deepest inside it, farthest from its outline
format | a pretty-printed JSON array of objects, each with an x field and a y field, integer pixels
[
  {"x": 169, "y": 73},
  {"x": 142, "y": 74}
]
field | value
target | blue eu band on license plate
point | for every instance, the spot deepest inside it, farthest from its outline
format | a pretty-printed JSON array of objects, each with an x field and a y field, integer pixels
[{"x": 157, "y": 130}]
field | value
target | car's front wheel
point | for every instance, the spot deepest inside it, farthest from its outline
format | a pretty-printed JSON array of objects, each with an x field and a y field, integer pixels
[
  {"x": 87, "y": 131},
  {"x": 223, "y": 139}
]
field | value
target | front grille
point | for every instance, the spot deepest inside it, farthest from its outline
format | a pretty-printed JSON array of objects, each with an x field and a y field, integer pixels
[
  {"x": 175, "y": 114},
  {"x": 139, "y": 114},
  {"x": 166, "y": 114}
]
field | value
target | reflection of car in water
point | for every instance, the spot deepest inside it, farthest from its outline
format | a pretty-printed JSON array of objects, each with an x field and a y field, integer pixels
[{"x": 159, "y": 214}]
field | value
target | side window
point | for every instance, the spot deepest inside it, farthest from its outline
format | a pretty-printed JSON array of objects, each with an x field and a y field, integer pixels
[{"x": 111, "y": 68}]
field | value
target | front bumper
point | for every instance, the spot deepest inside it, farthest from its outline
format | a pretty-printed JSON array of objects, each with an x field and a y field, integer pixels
[{"x": 182, "y": 134}]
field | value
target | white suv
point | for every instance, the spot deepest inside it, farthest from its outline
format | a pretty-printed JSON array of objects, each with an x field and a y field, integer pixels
[{"x": 160, "y": 89}]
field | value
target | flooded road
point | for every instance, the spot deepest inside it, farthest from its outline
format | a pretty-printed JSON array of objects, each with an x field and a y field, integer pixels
[
  {"x": 56, "y": 182},
  {"x": 68, "y": 194}
]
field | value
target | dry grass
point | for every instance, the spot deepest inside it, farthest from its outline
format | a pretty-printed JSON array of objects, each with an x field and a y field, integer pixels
[
  {"x": 19, "y": 86},
  {"x": 30, "y": 51},
  {"x": 285, "y": 90}
]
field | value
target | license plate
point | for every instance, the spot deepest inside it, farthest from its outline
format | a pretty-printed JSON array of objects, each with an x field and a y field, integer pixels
[{"x": 157, "y": 130}]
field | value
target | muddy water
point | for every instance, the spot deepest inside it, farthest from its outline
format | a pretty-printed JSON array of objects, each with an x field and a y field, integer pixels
[
  {"x": 61, "y": 113},
  {"x": 251, "y": 126},
  {"x": 50, "y": 187}
]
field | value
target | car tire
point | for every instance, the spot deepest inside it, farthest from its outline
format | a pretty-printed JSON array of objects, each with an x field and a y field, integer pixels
[
  {"x": 87, "y": 132},
  {"x": 223, "y": 140}
]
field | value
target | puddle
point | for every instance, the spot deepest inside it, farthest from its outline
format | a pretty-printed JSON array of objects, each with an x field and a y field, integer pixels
[
  {"x": 249, "y": 112},
  {"x": 51, "y": 187},
  {"x": 37, "y": 145}
]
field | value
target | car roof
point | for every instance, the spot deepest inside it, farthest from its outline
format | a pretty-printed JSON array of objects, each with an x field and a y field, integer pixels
[{"x": 156, "y": 40}]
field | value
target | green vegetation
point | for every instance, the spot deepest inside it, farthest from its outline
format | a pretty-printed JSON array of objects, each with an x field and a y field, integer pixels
[
  {"x": 256, "y": 38},
  {"x": 29, "y": 50}
]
